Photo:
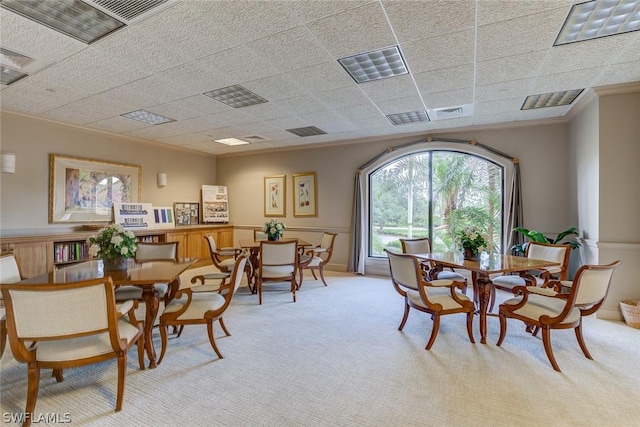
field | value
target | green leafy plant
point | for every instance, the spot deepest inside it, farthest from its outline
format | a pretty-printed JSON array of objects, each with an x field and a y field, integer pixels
[
  {"x": 538, "y": 237},
  {"x": 473, "y": 239}
]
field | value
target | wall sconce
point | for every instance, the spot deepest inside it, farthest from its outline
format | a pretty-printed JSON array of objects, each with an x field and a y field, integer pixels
[
  {"x": 8, "y": 162},
  {"x": 162, "y": 179}
]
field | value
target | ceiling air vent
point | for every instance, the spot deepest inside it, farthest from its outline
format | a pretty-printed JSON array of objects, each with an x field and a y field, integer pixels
[
  {"x": 451, "y": 112},
  {"x": 306, "y": 131},
  {"x": 254, "y": 138},
  {"x": 131, "y": 10}
]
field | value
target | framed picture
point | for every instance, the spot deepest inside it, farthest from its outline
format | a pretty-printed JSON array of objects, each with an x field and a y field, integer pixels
[
  {"x": 83, "y": 190},
  {"x": 275, "y": 187},
  {"x": 187, "y": 213},
  {"x": 305, "y": 198}
]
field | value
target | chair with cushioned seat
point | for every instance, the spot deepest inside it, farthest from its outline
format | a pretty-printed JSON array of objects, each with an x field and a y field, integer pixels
[
  {"x": 278, "y": 262},
  {"x": 318, "y": 257},
  {"x": 437, "y": 297},
  {"x": 67, "y": 325},
  {"x": 546, "y": 309},
  {"x": 9, "y": 273},
  {"x": 191, "y": 308},
  {"x": 423, "y": 245},
  {"x": 535, "y": 250}
]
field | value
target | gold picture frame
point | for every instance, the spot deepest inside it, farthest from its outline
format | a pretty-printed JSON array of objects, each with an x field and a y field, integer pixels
[
  {"x": 305, "y": 194},
  {"x": 275, "y": 192},
  {"x": 83, "y": 190}
]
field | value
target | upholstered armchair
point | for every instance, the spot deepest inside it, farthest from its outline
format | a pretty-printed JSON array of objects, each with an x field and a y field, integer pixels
[
  {"x": 149, "y": 252},
  {"x": 547, "y": 252},
  {"x": 316, "y": 258},
  {"x": 9, "y": 273},
  {"x": 66, "y": 325},
  {"x": 545, "y": 309},
  {"x": 423, "y": 245},
  {"x": 278, "y": 262},
  {"x": 437, "y": 297},
  {"x": 193, "y": 308}
]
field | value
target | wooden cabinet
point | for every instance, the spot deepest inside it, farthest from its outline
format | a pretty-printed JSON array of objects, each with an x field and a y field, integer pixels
[
  {"x": 34, "y": 257},
  {"x": 193, "y": 245},
  {"x": 41, "y": 254}
]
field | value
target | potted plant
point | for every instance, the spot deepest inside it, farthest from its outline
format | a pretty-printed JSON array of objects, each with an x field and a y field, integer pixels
[
  {"x": 537, "y": 236},
  {"x": 274, "y": 229},
  {"x": 113, "y": 244},
  {"x": 472, "y": 241}
]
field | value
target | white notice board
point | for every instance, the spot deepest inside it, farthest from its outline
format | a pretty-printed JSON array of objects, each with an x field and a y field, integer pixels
[{"x": 215, "y": 203}]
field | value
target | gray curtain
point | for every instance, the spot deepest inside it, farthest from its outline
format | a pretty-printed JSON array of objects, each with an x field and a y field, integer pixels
[{"x": 357, "y": 249}]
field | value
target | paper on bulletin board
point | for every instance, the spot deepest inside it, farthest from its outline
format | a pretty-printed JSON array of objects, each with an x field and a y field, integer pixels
[
  {"x": 215, "y": 203},
  {"x": 142, "y": 216}
]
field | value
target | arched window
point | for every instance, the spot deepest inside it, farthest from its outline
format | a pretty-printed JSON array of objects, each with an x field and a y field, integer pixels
[{"x": 435, "y": 193}]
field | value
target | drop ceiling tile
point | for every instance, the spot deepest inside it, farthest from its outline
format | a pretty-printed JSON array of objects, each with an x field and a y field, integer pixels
[
  {"x": 413, "y": 21},
  {"x": 390, "y": 88},
  {"x": 354, "y": 31},
  {"x": 577, "y": 56},
  {"x": 291, "y": 49},
  {"x": 616, "y": 74},
  {"x": 441, "y": 51},
  {"x": 275, "y": 88},
  {"x": 91, "y": 109},
  {"x": 359, "y": 112},
  {"x": 321, "y": 77},
  {"x": 270, "y": 110},
  {"x": 503, "y": 90},
  {"x": 342, "y": 97},
  {"x": 305, "y": 105},
  {"x": 558, "y": 82},
  {"x": 117, "y": 124},
  {"x": 306, "y": 11},
  {"x": 243, "y": 64},
  {"x": 495, "y": 118},
  {"x": 631, "y": 52},
  {"x": 449, "y": 98},
  {"x": 510, "y": 106},
  {"x": 189, "y": 107},
  {"x": 452, "y": 123},
  {"x": 493, "y": 11},
  {"x": 519, "y": 35},
  {"x": 514, "y": 67},
  {"x": 401, "y": 105},
  {"x": 445, "y": 79},
  {"x": 36, "y": 94}
]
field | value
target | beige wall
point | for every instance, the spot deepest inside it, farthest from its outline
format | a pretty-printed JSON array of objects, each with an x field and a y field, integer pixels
[
  {"x": 24, "y": 195},
  {"x": 542, "y": 150}
]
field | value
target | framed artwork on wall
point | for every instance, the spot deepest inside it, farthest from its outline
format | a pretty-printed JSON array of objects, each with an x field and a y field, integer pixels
[
  {"x": 305, "y": 197},
  {"x": 187, "y": 213},
  {"x": 84, "y": 190},
  {"x": 275, "y": 187}
]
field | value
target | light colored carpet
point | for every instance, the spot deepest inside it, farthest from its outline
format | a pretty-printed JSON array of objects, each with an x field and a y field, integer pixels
[{"x": 335, "y": 358}]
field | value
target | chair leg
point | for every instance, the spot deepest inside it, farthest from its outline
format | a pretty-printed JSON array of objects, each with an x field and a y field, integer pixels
[
  {"x": 313, "y": 271},
  {"x": 546, "y": 340},
  {"x": 224, "y": 328},
  {"x": 165, "y": 341},
  {"x": 122, "y": 370},
  {"x": 321, "y": 269},
  {"x": 470, "y": 326},
  {"x": 294, "y": 285},
  {"x": 3, "y": 335},
  {"x": 583, "y": 346},
  {"x": 180, "y": 329},
  {"x": 57, "y": 374},
  {"x": 464, "y": 288},
  {"x": 259, "y": 286},
  {"x": 536, "y": 329},
  {"x": 434, "y": 331},
  {"x": 492, "y": 299},
  {"x": 33, "y": 374},
  {"x": 212, "y": 339},
  {"x": 301, "y": 277},
  {"x": 406, "y": 315},
  {"x": 140, "y": 345},
  {"x": 503, "y": 329}
]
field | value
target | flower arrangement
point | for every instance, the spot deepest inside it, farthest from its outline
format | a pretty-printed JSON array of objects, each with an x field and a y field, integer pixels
[
  {"x": 473, "y": 241},
  {"x": 274, "y": 229},
  {"x": 113, "y": 242}
]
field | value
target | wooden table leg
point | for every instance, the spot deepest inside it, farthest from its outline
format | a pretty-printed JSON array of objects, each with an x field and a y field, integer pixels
[
  {"x": 482, "y": 284},
  {"x": 151, "y": 300}
]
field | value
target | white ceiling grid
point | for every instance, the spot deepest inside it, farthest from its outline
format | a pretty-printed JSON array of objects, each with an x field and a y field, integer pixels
[{"x": 488, "y": 53}]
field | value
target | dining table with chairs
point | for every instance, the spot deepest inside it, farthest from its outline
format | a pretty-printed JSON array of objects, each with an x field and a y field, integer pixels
[
  {"x": 144, "y": 275},
  {"x": 482, "y": 268}
]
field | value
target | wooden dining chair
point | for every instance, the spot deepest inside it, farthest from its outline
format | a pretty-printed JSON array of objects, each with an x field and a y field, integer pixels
[
  {"x": 67, "y": 325},
  {"x": 437, "y": 298},
  {"x": 9, "y": 273},
  {"x": 423, "y": 245},
  {"x": 316, "y": 258},
  {"x": 278, "y": 262},
  {"x": 195, "y": 308},
  {"x": 545, "y": 309}
]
